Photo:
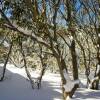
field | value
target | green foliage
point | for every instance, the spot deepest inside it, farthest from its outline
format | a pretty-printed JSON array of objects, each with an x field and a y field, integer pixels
[{"x": 45, "y": 28}]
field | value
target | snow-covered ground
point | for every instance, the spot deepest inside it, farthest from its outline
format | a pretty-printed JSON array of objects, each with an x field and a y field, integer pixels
[{"x": 16, "y": 87}]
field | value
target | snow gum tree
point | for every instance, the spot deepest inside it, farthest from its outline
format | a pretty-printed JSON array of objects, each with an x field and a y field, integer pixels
[{"x": 55, "y": 25}]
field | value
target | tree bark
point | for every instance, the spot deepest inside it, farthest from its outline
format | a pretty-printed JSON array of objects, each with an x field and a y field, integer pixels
[
  {"x": 6, "y": 61},
  {"x": 25, "y": 65},
  {"x": 74, "y": 60},
  {"x": 95, "y": 83}
]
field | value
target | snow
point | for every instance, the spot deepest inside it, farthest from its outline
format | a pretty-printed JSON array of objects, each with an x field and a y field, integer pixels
[
  {"x": 71, "y": 38},
  {"x": 68, "y": 98},
  {"x": 94, "y": 79},
  {"x": 99, "y": 35},
  {"x": 98, "y": 69},
  {"x": 16, "y": 87},
  {"x": 70, "y": 85},
  {"x": 0, "y": 16},
  {"x": 66, "y": 75},
  {"x": 6, "y": 44}
]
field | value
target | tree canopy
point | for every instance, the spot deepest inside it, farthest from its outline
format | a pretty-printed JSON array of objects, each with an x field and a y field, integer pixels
[{"x": 63, "y": 31}]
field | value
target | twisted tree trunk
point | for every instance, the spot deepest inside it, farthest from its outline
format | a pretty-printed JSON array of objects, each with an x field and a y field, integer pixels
[{"x": 25, "y": 65}]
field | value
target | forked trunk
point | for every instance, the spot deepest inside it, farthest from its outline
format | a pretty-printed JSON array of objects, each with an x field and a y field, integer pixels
[
  {"x": 65, "y": 79},
  {"x": 25, "y": 65}
]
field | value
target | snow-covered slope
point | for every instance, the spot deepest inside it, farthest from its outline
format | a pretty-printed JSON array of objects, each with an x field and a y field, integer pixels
[{"x": 16, "y": 87}]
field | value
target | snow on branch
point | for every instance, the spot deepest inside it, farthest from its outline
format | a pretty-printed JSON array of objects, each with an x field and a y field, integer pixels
[
  {"x": 96, "y": 77},
  {"x": 66, "y": 75},
  {"x": 69, "y": 83},
  {"x": 98, "y": 69},
  {"x": 26, "y": 32},
  {"x": 13, "y": 26},
  {"x": 92, "y": 81},
  {"x": 68, "y": 98},
  {"x": 99, "y": 35}
]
